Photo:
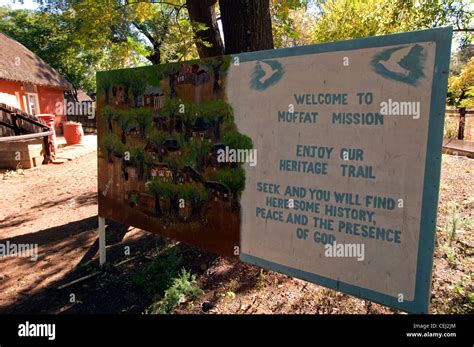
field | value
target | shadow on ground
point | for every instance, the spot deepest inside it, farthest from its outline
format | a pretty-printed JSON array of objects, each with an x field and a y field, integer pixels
[
  {"x": 110, "y": 289},
  {"x": 52, "y": 243}
]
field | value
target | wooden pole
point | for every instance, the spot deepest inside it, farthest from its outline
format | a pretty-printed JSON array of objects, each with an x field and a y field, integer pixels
[
  {"x": 102, "y": 244},
  {"x": 462, "y": 122}
]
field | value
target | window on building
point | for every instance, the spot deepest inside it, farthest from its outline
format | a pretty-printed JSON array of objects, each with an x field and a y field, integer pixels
[{"x": 32, "y": 103}]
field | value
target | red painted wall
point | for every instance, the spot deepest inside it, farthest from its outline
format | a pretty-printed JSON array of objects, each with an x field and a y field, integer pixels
[
  {"x": 47, "y": 97},
  {"x": 7, "y": 93}
]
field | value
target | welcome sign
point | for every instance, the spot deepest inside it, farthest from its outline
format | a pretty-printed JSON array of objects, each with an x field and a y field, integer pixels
[{"x": 321, "y": 162}]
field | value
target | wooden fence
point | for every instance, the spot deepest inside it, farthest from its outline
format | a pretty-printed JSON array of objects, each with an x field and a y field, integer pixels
[
  {"x": 14, "y": 121},
  {"x": 16, "y": 127},
  {"x": 461, "y": 114}
]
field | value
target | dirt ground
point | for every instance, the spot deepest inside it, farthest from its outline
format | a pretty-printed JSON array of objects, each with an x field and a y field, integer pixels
[{"x": 55, "y": 206}]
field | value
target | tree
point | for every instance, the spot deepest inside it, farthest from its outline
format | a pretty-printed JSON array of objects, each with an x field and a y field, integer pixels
[
  {"x": 460, "y": 58},
  {"x": 53, "y": 37},
  {"x": 198, "y": 195},
  {"x": 234, "y": 179},
  {"x": 113, "y": 146},
  {"x": 363, "y": 18},
  {"x": 125, "y": 120},
  {"x": 198, "y": 149},
  {"x": 194, "y": 194},
  {"x": 162, "y": 31},
  {"x": 159, "y": 31},
  {"x": 170, "y": 109},
  {"x": 237, "y": 141},
  {"x": 216, "y": 112},
  {"x": 137, "y": 84},
  {"x": 292, "y": 21},
  {"x": 137, "y": 157},
  {"x": 156, "y": 139},
  {"x": 157, "y": 189},
  {"x": 109, "y": 115},
  {"x": 461, "y": 88},
  {"x": 175, "y": 164},
  {"x": 143, "y": 117},
  {"x": 140, "y": 159},
  {"x": 247, "y": 25},
  {"x": 155, "y": 25},
  {"x": 104, "y": 84},
  {"x": 206, "y": 30},
  {"x": 123, "y": 33},
  {"x": 189, "y": 116},
  {"x": 219, "y": 66},
  {"x": 126, "y": 80}
]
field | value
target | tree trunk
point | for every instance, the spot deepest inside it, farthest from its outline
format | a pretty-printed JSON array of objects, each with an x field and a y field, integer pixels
[
  {"x": 247, "y": 25},
  {"x": 125, "y": 94},
  {"x": 107, "y": 97},
  {"x": 194, "y": 208},
  {"x": 174, "y": 205},
  {"x": 124, "y": 170},
  {"x": 109, "y": 122},
  {"x": 141, "y": 171},
  {"x": 218, "y": 122},
  {"x": 158, "y": 212},
  {"x": 123, "y": 138},
  {"x": 204, "y": 12},
  {"x": 155, "y": 57},
  {"x": 172, "y": 84},
  {"x": 234, "y": 203},
  {"x": 462, "y": 122}
]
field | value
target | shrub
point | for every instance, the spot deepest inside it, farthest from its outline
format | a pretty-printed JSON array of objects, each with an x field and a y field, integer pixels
[
  {"x": 182, "y": 287},
  {"x": 159, "y": 275}
]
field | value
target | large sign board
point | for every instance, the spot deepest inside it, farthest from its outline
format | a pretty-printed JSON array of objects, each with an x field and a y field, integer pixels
[{"x": 321, "y": 162}]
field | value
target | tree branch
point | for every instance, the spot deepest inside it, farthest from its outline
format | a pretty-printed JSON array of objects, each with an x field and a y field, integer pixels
[
  {"x": 153, "y": 2},
  {"x": 144, "y": 32}
]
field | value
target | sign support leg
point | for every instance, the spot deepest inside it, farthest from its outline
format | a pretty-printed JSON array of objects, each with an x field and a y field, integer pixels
[{"x": 101, "y": 240}]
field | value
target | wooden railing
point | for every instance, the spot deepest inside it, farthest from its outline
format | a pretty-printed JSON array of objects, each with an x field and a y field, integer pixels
[{"x": 16, "y": 125}]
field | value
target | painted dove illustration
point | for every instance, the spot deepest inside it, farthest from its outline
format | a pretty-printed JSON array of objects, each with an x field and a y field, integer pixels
[
  {"x": 266, "y": 74},
  {"x": 403, "y": 64},
  {"x": 268, "y": 70},
  {"x": 393, "y": 64}
]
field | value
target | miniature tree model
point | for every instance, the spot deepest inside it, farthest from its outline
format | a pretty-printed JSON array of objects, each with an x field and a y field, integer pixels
[
  {"x": 155, "y": 188},
  {"x": 234, "y": 179},
  {"x": 143, "y": 118},
  {"x": 198, "y": 149},
  {"x": 125, "y": 120},
  {"x": 108, "y": 113},
  {"x": 113, "y": 146},
  {"x": 156, "y": 139}
]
